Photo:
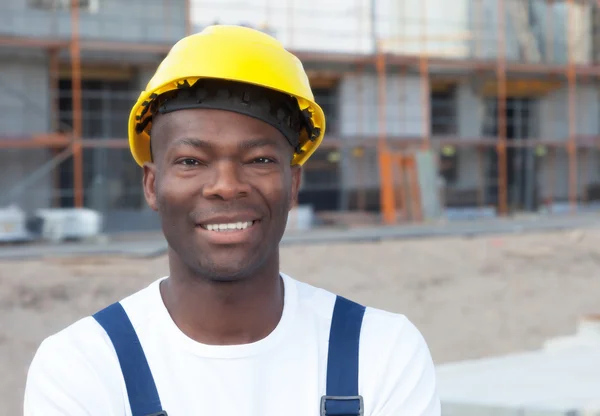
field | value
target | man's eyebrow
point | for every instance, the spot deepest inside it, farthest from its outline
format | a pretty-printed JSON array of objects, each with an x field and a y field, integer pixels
[
  {"x": 188, "y": 141},
  {"x": 254, "y": 143}
]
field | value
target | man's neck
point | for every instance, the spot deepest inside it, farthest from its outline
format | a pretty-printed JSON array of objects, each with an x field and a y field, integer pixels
[{"x": 225, "y": 313}]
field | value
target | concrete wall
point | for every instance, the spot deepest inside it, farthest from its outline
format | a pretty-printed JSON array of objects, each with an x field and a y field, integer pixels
[
  {"x": 24, "y": 90},
  {"x": 552, "y": 123},
  {"x": 360, "y": 117},
  {"x": 321, "y": 25},
  {"x": 554, "y": 113},
  {"x": 401, "y": 24},
  {"x": 554, "y": 116},
  {"x": 17, "y": 165},
  {"x": 144, "y": 75},
  {"x": 452, "y": 25},
  {"x": 489, "y": 39},
  {"x": 24, "y": 111},
  {"x": 115, "y": 20},
  {"x": 580, "y": 28},
  {"x": 470, "y": 113},
  {"x": 404, "y": 118},
  {"x": 553, "y": 17},
  {"x": 553, "y": 177}
]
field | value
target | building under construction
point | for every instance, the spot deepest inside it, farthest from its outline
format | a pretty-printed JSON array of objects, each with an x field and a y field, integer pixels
[{"x": 504, "y": 94}]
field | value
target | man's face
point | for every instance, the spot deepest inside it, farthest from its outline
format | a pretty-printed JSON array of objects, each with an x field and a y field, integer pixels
[{"x": 223, "y": 186}]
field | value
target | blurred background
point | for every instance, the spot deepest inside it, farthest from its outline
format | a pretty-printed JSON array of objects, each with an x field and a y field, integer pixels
[
  {"x": 434, "y": 108},
  {"x": 447, "y": 117}
]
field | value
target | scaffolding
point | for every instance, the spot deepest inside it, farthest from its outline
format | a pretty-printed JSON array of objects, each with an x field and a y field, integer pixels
[
  {"x": 391, "y": 155},
  {"x": 396, "y": 194}
]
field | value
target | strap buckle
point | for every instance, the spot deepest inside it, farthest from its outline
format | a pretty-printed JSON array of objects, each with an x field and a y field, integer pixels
[{"x": 354, "y": 412}]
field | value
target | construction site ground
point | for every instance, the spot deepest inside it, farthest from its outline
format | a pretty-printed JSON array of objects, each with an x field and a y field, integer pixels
[{"x": 494, "y": 288}]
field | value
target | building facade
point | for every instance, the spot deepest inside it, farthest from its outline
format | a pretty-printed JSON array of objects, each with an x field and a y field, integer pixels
[{"x": 440, "y": 83}]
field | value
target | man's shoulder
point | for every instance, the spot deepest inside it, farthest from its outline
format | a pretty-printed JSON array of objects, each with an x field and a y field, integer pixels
[
  {"x": 396, "y": 368},
  {"x": 73, "y": 372},
  {"x": 85, "y": 349},
  {"x": 86, "y": 335},
  {"x": 78, "y": 342},
  {"x": 381, "y": 322},
  {"x": 391, "y": 333},
  {"x": 379, "y": 325}
]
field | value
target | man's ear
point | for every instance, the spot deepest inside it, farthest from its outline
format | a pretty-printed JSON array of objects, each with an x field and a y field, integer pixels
[
  {"x": 296, "y": 182},
  {"x": 149, "y": 182}
]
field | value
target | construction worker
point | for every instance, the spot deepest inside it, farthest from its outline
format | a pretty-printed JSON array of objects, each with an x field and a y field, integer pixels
[{"x": 222, "y": 131}]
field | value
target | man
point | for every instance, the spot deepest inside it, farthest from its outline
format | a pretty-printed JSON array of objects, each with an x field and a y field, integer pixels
[{"x": 221, "y": 132}]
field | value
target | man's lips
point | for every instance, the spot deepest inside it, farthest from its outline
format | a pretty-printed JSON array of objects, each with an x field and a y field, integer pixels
[
  {"x": 231, "y": 230},
  {"x": 229, "y": 223},
  {"x": 228, "y": 226}
]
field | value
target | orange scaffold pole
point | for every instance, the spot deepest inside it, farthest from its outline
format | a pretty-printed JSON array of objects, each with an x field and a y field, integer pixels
[
  {"x": 76, "y": 98},
  {"x": 362, "y": 183},
  {"x": 501, "y": 143},
  {"x": 424, "y": 73},
  {"x": 387, "y": 197}
]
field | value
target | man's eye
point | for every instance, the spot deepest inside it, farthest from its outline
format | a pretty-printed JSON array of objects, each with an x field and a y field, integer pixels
[
  {"x": 188, "y": 162},
  {"x": 261, "y": 160}
]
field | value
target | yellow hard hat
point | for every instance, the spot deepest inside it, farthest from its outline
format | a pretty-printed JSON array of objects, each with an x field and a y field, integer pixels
[{"x": 233, "y": 53}]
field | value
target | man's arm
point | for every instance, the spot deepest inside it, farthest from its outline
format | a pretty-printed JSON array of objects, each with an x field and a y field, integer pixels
[
  {"x": 415, "y": 390},
  {"x": 406, "y": 379},
  {"x": 62, "y": 382}
]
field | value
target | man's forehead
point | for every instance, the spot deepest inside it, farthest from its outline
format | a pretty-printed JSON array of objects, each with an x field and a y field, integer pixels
[
  {"x": 242, "y": 143},
  {"x": 204, "y": 128},
  {"x": 210, "y": 120},
  {"x": 238, "y": 105}
]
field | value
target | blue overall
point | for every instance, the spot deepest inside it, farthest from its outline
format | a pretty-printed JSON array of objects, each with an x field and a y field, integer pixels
[{"x": 341, "y": 399}]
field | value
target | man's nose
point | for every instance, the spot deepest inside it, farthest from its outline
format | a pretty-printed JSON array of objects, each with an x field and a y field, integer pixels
[{"x": 227, "y": 182}]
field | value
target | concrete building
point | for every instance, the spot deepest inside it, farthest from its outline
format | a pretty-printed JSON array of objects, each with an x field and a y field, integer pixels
[
  {"x": 453, "y": 100},
  {"x": 36, "y": 94}
]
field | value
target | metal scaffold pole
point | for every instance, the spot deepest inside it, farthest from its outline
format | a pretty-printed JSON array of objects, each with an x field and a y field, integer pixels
[
  {"x": 53, "y": 81},
  {"x": 76, "y": 102},
  {"x": 478, "y": 17},
  {"x": 549, "y": 31},
  {"x": 385, "y": 167},
  {"x": 360, "y": 161},
  {"x": 501, "y": 142},
  {"x": 188, "y": 17},
  {"x": 572, "y": 86},
  {"x": 424, "y": 73}
]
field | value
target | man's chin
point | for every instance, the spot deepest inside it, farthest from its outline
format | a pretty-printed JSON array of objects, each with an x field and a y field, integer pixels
[{"x": 227, "y": 269}]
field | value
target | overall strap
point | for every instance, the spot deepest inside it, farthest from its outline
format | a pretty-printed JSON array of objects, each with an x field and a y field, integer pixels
[
  {"x": 143, "y": 396},
  {"x": 342, "y": 398}
]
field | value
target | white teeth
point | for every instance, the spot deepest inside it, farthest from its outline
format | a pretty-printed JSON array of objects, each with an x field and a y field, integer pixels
[{"x": 230, "y": 226}]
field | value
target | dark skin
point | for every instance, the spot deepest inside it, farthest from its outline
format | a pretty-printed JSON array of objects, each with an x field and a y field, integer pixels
[{"x": 213, "y": 166}]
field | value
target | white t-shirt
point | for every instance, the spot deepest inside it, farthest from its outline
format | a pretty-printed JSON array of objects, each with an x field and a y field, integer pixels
[{"x": 76, "y": 371}]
